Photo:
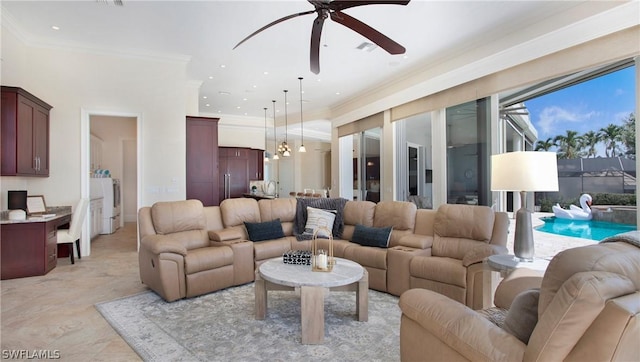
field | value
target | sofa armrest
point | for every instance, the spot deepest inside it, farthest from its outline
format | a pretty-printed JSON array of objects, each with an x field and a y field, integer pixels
[
  {"x": 516, "y": 282},
  {"x": 416, "y": 241},
  {"x": 157, "y": 244},
  {"x": 228, "y": 242},
  {"x": 226, "y": 234},
  {"x": 481, "y": 252},
  {"x": 463, "y": 330}
]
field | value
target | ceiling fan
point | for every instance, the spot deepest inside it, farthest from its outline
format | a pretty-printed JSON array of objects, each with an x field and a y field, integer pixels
[{"x": 333, "y": 9}]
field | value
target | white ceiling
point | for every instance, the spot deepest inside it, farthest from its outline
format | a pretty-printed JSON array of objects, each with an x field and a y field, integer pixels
[{"x": 203, "y": 33}]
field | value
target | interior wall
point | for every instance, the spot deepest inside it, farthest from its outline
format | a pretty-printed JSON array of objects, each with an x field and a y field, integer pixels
[
  {"x": 313, "y": 169},
  {"x": 129, "y": 181},
  {"x": 250, "y": 137},
  {"x": 72, "y": 81}
]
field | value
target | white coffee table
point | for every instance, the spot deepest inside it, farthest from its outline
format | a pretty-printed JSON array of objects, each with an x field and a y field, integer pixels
[{"x": 346, "y": 275}]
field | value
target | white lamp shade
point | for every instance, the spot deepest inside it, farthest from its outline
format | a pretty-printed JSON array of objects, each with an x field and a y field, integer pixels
[{"x": 524, "y": 171}]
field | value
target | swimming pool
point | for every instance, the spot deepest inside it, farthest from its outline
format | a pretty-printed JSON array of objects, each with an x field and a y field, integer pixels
[{"x": 586, "y": 229}]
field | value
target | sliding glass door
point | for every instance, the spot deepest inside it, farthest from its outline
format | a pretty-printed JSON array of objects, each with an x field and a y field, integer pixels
[
  {"x": 365, "y": 162},
  {"x": 468, "y": 152}
]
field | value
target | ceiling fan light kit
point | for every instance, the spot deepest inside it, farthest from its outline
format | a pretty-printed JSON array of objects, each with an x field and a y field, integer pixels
[{"x": 333, "y": 9}]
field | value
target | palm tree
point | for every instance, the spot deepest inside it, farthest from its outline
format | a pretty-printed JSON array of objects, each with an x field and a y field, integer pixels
[
  {"x": 545, "y": 145},
  {"x": 568, "y": 145},
  {"x": 611, "y": 135},
  {"x": 589, "y": 141},
  {"x": 629, "y": 136}
]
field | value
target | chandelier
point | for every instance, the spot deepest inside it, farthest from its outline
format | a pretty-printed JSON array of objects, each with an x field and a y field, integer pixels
[
  {"x": 302, "y": 148},
  {"x": 284, "y": 148},
  {"x": 266, "y": 154}
]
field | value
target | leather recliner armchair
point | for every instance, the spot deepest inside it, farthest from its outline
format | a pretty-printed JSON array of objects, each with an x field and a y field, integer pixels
[
  {"x": 463, "y": 236},
  {"x": 176, "y": 257},
  {"x": 587, "y": 310}
]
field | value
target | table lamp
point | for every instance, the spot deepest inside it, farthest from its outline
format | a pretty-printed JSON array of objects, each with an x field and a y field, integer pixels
[{"x": 524, "y": 171}]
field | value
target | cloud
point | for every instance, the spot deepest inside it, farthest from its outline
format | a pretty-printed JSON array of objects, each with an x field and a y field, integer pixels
[
  {"x": 619, "y": 92},
  {"x": 620, "y": 117},
  {"x": 551, "y": 117}
]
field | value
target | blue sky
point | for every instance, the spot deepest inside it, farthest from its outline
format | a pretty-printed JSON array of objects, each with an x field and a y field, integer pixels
[{"x": 588, "y": 106}]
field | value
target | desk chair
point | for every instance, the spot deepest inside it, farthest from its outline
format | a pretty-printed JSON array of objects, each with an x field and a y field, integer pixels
[{"x": 72, "y": 235}]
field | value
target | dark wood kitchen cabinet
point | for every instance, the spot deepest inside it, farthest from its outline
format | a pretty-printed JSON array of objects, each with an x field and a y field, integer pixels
[
  {"x": 256, "y": 164},
  {"x": 25, "y": 134},
  {"x": 202, "y": 160},
  {"x": 233, "y": 171}
]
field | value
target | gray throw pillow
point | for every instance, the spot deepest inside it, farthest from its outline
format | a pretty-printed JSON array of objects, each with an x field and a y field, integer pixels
[{"x": 522, "y": 316}]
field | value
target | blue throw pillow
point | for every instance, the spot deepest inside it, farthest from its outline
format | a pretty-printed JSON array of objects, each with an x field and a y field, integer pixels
[
  {"x": 268, "y": 230},
  {"x": 371, "y": 236}
]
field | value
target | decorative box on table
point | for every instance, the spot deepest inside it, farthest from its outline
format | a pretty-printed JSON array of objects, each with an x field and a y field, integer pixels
[{"x": 299, "y": 257}]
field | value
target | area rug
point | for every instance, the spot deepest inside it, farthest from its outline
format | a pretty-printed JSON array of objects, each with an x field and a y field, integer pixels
[{"x": 221, "y": 327}]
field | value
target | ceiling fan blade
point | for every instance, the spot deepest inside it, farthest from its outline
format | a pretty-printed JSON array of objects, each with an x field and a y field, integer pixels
[
  {"x": 339, "y": 5},
  {"x": 274, "y": 23},
  {"x": 368, "y": 32},
  {"x": 316, "y": 32}
]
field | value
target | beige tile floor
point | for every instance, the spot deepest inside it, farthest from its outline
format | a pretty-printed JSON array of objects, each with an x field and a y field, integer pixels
[{"x": 56, "y": 311}]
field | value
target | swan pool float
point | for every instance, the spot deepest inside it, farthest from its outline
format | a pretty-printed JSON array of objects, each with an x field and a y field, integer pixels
[{"x": 574, "y": 212}]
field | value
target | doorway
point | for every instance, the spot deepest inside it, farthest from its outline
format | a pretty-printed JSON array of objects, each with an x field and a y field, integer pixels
[{"x": 119, "y": 140}]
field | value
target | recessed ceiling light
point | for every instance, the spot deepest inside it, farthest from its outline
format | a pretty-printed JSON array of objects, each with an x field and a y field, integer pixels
[
  {"x": 207, "y": 105},
  {"x": 210, "y": 77},
  {"x": 204, "y": 97},
  {"x": 224, "y": 93},
  {"x": 337, "y": 93},
  {"x": 405, "y": 57},
  {"x": 238, "y": 107},
  {"x": 244, "y": 99},
  {"x": 222, "y": 66},
  {"x": 245, "y": 113},
  {"x": 255, "y": 86},
  {"x": 265, "y": 73},
  {"x": 54, "y": 27}
]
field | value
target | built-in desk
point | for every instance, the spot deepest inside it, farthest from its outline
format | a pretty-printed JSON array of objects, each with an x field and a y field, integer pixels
[{"x": 29, "y": 247}]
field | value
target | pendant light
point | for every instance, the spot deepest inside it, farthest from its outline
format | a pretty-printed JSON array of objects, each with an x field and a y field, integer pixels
[
  {"x": 266, "y": 154},
  {"x": 275, "y": 138},
  {"x": 284, "y": 148},
  {"x": 301, "y": 149}
]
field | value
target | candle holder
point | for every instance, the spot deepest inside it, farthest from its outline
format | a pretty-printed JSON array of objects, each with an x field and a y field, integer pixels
[{"x": 322, "y": 260}]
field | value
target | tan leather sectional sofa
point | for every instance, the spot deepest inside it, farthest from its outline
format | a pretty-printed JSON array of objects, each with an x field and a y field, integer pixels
[{"x": 188, "y": 250}]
